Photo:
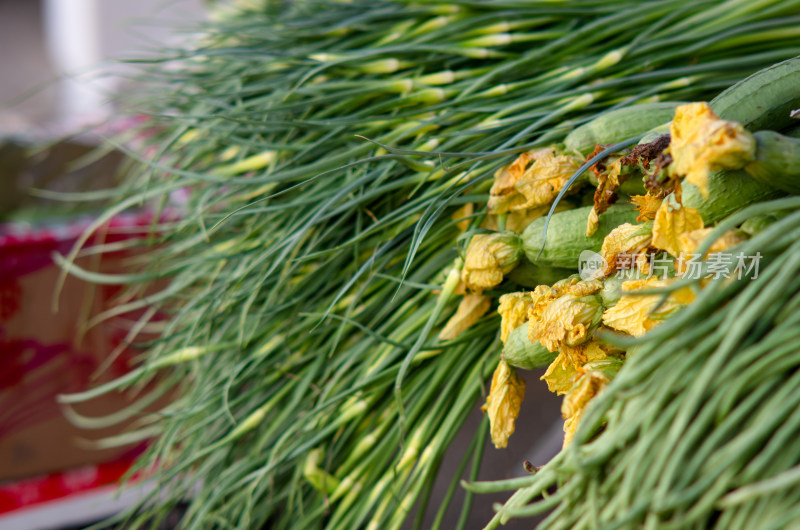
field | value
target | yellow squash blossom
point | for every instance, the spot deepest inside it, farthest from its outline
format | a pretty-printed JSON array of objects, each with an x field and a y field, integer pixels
[
  {"x": 691, "y": 241},
  {"x": 543, "y": 295},
  {"x": 578, "y": 397},
  {"x": 623, "y": 246},
  {"x": 513, "y": 311},
  {"x": 672, "y": 221},
  {"x": 636, "y": 314},
  {"x": 702, "y": 142},
  {"x": 573, "y": 285},
  {"x": 532, "y": 180},
  {"x": 568, "y": 367},
  {"x": 489, "y": 257},
  {"x": 577, "y": 287},
  {"x": 568, "y": 320},
  {"x": 561, "y": 374},
  {"x": 647, "y": 205},
  {"x": 470, "y": 311},
  {"x": 503, "y": 404}
]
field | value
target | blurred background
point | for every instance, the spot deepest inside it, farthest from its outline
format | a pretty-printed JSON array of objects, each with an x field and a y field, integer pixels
[
  {"x": 60, "y": 75},
  {"x": 58, "y": 57}
]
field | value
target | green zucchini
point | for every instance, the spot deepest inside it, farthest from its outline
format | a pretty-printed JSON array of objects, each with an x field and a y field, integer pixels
[
  {"x": 728, "y": 192},
  {"x": 528, "y": 275},
  {"x": 618, "y": 125},
  {"x": 777, "y": 161},
  {"x": 566, "y": 235},
  {"x": 763, "y": 100},
  {"x": 520, "y": 352}
]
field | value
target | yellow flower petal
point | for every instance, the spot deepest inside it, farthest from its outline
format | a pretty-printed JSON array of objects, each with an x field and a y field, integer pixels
[
  {"x": 488, "y": 258},
  {"x": 690, "y": 241},
  {"x": 701, "y": 142},
  {"x": 647, "y": 206},
  {"x": 643, "y": 264},
  {"x": 504, "y": 402},
  {"x": 578, "y": 398},
  {"x": 594, "y": 351},
  {"x": 567, "y": 367},
  {"x": 543, "y": 295},
  {"x": 592, "y": 223},
  {"x": 567, "y": 320},
  {"x": 673, "y": 220},
  {"x": 470, "y": 311},
  {"x": 513, "y": 311},
  {"x": 519, "y": 220},
  {"x": 634, "y": 313},
  {"x": 561, "y": 374},
  {"x": 579, "y": 288},
  {"x": 461, "y": 216},
  {"x": 532, "y": 180},
  {"x": 623, "y": 245}
]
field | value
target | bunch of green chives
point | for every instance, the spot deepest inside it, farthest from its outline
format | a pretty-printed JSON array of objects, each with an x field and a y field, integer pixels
[
  {"x": 702, "y": 423},
  {"x": 323, "y": 148}
]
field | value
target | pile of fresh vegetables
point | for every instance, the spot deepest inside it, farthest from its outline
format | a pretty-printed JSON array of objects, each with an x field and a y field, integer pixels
[
  {"x": 360, "y": 187},
  {"x": 693, "y": 432}
]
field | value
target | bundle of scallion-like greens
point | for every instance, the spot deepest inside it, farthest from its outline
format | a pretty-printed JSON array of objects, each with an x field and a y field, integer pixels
[{"x": 329, "y": 161}]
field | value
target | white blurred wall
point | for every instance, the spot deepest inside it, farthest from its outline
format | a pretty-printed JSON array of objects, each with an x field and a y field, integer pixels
[{"x": 56, "y": 65}]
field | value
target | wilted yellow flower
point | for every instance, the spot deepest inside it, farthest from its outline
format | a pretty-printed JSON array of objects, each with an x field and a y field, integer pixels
[
  {"x": 701, "y": 142},
  {"x": 513, "y": 311},
  {"x": 532, "y": 180},
  {"x": 470, "y": 310},
  {"x": 609, "y": 177},
  {"x": 543, "y": 295},
  {"x": 647, "y": 206},
  {"x": 561, "y": 374},
  {"x": 625, "y": 242},
  {"x": 576, "y": 400},
  {"x": 568, "y": 367},
  {"x": 503, "y": 403},
  {"x": 577, "y": 287},
  {"x": 519, "y": 220},
  {"x": 489, "y": 257},
  {"x": 568, "y": 320},
  {"x": 634, "y": 313},
  {"x": 673, "y": 220},
  {"x": 690, "y": 241}
]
